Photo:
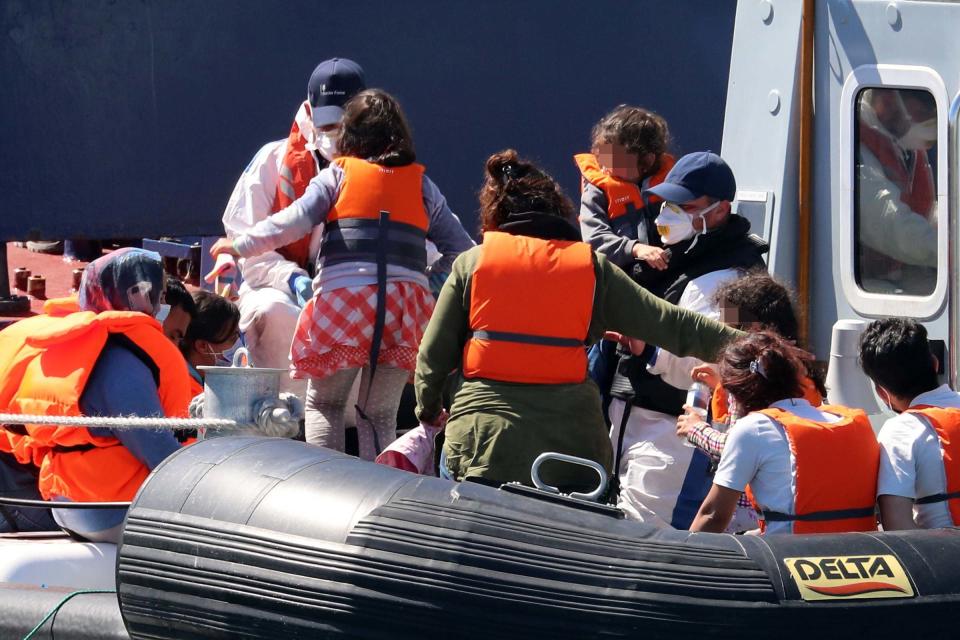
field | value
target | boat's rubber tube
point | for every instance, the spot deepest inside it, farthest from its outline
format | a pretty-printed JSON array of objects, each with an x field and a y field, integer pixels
[
  {"x": 86, "y": 616},
  {"x": 267, "y": 538}
]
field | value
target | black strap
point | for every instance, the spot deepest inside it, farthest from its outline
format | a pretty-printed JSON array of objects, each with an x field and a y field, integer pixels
[
  {"x": 17, "y": 429},
  {"x": 614, "y": 491},
  {"x": 379, "y": 319},
  {"x": 526, "y": 338},
  {"x": 938, "y": 497},
  {"x": 54, "y": 504},
  {"x": 819, "y": 516}
]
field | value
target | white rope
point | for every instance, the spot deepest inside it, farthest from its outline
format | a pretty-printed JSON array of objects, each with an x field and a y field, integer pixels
[{"x": 123, "y": 422}]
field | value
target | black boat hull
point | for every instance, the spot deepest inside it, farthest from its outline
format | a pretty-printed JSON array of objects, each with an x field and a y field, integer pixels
[{"x": 265, "y": 538}]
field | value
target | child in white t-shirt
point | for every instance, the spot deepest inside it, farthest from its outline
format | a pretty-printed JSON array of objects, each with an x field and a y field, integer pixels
[{"x": 913, "y": 480}]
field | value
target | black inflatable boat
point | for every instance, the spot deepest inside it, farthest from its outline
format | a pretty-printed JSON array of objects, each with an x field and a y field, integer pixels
[{"x": 264, "y": 538}]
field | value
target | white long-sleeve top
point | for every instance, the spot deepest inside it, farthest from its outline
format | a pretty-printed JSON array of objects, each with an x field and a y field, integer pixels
[{"x": 252, "y": 202}]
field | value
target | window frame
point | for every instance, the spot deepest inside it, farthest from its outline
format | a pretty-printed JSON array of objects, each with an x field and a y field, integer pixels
[{"x": 884, "y": 304}]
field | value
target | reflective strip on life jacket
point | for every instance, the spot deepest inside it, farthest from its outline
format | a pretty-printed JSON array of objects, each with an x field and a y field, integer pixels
[
  {"x": 946, "y": 423},
  {"x": 355, "y": 228},
  {"x": 297, "y": 169},
  {"x": 531, "y": 302},
  {"x": 836, "y": 468}
]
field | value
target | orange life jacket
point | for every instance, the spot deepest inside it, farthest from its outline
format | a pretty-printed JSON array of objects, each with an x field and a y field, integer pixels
[
  {"x": 623, "y": 197},
  {"x": 720, "y": 410},
  {"x": 836, "y": 468},
  {"x": 297, "y": 169},
  {"x": 378, "y": 214},
  {"x": 531, "y": 302},
  {"x": 60, "y": 307},
  {"x": 946, "y": 422},
  {"x": 45, "y": 363}
]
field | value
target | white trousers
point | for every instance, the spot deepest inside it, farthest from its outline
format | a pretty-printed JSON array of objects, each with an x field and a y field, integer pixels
[
  {"x": 268, "y": 319},
  {"x": 653, "y": 465}
]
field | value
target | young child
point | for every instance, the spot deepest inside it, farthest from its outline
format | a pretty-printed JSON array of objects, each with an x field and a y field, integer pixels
[
  {"x": 755, "y": 302},
  {"x": 371, "y": 294},
  {"x": 628, "y": 154},
  {"x": 809, "y": 469}
]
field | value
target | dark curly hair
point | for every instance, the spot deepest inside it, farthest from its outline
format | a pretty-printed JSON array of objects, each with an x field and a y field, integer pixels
[
  {"x": 515, "y": 185},
  {"x": 638, "y": 130},
  {"x": 374, "y": 128},
  {"x": 762, "y": 368}
]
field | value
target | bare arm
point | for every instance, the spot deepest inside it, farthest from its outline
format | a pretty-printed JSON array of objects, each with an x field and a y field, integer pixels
[
  {"x": 716, "y": 511},
  {"x": 896, "y": 513}
]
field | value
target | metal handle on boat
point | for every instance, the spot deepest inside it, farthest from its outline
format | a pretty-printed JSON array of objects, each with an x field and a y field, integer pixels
[
  {"x": 593, "y": 496},
  {"x": 241, "y": 355}
]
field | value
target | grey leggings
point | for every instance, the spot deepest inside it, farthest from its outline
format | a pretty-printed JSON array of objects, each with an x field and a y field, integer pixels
[{"x": 327, "y": 400}]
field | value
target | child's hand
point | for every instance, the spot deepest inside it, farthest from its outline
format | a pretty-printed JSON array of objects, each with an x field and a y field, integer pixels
[
  {"x": 653, "y": 256},
  {"x": 707, "y": 374},
  {"x": 223, "y": 245}
]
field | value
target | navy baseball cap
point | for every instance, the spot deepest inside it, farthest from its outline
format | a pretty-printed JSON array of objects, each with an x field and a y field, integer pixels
[
  {"x": 697, "y": 174},
  {"x": 332, "y": 83}
]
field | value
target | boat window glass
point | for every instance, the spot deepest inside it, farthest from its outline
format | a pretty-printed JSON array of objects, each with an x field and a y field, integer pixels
[{"x": 895, "y": 200}]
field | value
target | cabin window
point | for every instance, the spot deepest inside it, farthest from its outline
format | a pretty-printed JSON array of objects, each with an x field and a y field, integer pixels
[{"x": 895, "y": 199}]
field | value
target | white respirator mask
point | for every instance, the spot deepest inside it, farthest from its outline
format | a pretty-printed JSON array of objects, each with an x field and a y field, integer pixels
[{"x": 676, "y": 225}]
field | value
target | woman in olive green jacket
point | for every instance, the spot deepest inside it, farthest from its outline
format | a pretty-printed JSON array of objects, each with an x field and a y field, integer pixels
[{"x": 497, "y": 428}]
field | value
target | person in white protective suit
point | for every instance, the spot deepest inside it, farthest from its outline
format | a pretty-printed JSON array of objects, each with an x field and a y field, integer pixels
[
  {"x": 896, "y": 231},
  {"x": 662, "y": 479},
  {"x": 277, "y": 284}
]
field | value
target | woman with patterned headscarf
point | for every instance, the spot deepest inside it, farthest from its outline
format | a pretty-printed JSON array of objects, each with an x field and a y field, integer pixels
[{"x": 109, "y": 358}]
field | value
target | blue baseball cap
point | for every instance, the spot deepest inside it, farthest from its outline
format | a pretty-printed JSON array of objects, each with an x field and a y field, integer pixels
[
  {"x": 331, "y": 84},
  {"x": 697, "y": 174}
]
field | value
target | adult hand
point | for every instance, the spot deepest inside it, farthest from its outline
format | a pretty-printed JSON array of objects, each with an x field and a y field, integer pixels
[
  {"x": 688, "y": 421},
  {"x": 653, "y": 256},
  {"x": 635, "y": 345},
  {"x": 223, "y": 245},
  {"x": 302, "y": 288},
  {"x": 707, "y": 374}
]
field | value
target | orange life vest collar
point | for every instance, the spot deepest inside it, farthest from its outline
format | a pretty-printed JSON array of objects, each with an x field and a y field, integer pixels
[
  {"x": 531, "y": 302},
  {"x": 623, "y": 196},
  {"x": 836, "y": 466},
  {"x": 946, "y": 423}
]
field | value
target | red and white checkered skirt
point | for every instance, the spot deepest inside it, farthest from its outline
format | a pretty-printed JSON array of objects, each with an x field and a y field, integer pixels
[{"x": 335, "y": 329}]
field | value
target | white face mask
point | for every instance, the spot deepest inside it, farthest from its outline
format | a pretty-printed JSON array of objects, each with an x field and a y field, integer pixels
[
  {"x": 675, "y": 225},
  {"x": 162, "y": 313},
  {"x": 225, "y": 358},
  {"x": 920, "y": 136},
  {"x": 327, "y": 145}
]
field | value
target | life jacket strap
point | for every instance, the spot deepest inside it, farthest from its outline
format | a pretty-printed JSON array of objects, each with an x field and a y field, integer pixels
[
  {"x": 79, "y": 448},
  {"x": 526, "y": 338},
  {"x": 360, "y": 240},
  {"x": 819, "y": 516},
  {"x": 938, "y": 497}
]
